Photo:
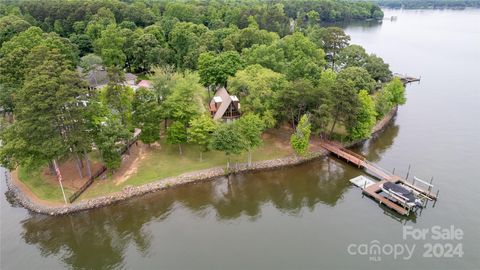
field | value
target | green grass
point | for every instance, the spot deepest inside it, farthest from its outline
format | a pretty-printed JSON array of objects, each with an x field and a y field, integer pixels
[
  {"x": 167, "y": 162},
  {"x": 44, "y": 190},
  {"x": 159, "y": 163}
]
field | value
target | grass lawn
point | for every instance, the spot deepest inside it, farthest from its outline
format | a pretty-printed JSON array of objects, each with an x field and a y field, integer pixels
[
  {"x": 167, "y": 162},
  {"x": 162, "y": 162},
  {"x": 40, "y": 187}
]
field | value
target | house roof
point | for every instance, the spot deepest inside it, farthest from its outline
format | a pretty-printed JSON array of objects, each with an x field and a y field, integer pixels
[
  {"x": 130, "y": 77},
  {"x": 225, "y": 100},
  {"x": 96, "y": 78},
  {"x": 145, "y": 83}
]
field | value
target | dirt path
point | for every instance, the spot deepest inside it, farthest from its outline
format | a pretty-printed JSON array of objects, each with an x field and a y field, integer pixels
[
  {"x": 70, "y": 175},
  {"x": 131, "y": 162}
]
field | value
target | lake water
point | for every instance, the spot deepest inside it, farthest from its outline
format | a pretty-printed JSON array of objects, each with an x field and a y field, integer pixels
[{"x": 308, "y": 216}]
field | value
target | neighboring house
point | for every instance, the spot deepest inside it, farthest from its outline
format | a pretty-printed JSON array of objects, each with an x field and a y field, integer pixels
[
  {"x": 144, "y": 84},
  {"x": 224, "y": 106},
  {"x": 98, "y": 78},
  {"x": 130, "y": 80}
]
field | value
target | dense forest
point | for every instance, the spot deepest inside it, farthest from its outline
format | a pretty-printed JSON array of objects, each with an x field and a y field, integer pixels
[
  {"x": 274, "y": 55},
  {"x": 428, "y": 4}
]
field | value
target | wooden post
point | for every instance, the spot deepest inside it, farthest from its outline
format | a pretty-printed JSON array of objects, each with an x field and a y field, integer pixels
[
  {"x": 435, "y": 201},
  {"x": 408, "y": 172},
  {"x": 430, "y": 186},
  {"x": 393, "y": 171}
]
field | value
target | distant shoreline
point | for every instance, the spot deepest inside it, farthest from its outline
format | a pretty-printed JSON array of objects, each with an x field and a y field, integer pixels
[{"x": 26, "y": 199}]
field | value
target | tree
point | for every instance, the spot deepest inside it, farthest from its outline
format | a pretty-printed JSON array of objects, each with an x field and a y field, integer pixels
[
  {"x": 256, "y": 87},
  {"x": 49, "y": 113},
  {"x": 344, "y": 102},
  {"x": 295, "y": 100},
  {"x": 109, "y": 46},
  {"x": 146, "y": 115},
  {"x": 303, "y": 59},
  {"x": 127, "y": 24},
  {"x": 352, "y": 56},
  {"x": 110, "y": 139},
  {"x": 247, "y": 37},
  {"x": 361, "y": 125},
  {"x": 163, "y": 80},
  {"x": 379, "y": 70},
  {"x": 313, "y": 17},
  {"x": 182, "y": 11},
  {"x": 359, "y": 77},
  {"x": 186, "y": 100},
  {"x": 128, "y": 48},
  {"x": 200, "y": 132},
  {"x": 146, "y": 52},
  {"x": 215, "y": 69},
  {"x": 107, "y": 132},
  {"x": 383, "y": 103},
  {"x": 188, "y": 41},
  {"x": 90, "y": 62},
  {"x": 177, "y": 134},
  {"x": 300, "y": 140},
  {"x": 331, "y": 39},
  {"x": 15, "y": 63},
  {"x": 83, "y": 42},
  {"x": 119, "y": 99},
  {"x": 321, "y": 115},
  {"x": 10, "y": 26},
  {"x": 294, "y": 55},
  {"x": 99, "y": 22},
  {"x": 397, "y": 90},
  {"x": 227, "y": 138},
  {"x": 251, "y": 127}
]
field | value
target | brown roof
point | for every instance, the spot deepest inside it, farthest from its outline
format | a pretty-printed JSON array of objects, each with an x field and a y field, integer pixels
[
  {"x": 145, "y": 83},
  {"x": 226, "y": 100}
]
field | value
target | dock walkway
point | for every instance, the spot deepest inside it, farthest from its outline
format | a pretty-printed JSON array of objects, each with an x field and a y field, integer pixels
[
  {"x": 406, "y": 79},
  {"x": 376, "y": 171}
]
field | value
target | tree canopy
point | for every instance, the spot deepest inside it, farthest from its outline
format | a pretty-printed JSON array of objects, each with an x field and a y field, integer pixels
[
  {"x": 257, "y": 86},
  {"x": 273, "y": 55}
]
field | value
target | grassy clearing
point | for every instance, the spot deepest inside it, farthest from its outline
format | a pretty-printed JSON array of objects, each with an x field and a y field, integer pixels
[
  {"x": 167, "y": 162},
  {"x": 40, "y": 187},
  {"x": 162, "y": 162}
]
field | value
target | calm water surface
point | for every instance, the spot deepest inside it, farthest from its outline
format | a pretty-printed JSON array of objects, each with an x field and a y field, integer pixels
[{"x": 303, "y": 217}]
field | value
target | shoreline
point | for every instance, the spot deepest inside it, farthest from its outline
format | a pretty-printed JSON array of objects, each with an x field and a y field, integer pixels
[{"x": 42, "y": 207}]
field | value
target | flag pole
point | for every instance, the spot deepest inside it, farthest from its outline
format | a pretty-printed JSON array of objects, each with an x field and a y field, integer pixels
[{"x": 59, "y": 175}]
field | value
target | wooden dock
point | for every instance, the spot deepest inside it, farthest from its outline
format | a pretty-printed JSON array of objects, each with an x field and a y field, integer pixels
[
  {"x": 376, "y": 171},
  {"x": 406, "y": 79}
]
